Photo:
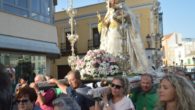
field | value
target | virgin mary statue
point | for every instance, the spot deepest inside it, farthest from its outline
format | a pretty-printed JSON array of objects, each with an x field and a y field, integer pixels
[{"x": 119, "y": 31}]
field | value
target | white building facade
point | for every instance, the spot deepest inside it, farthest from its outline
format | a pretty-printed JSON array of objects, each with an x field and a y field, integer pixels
[
  {"x": 28, "y": 37},
  {"x": 179, "y": 52},
  {"x": 189, "y": 62}
]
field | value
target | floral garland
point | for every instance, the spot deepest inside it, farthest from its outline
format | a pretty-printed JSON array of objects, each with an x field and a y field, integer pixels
[{"x": 97, "y": 63}]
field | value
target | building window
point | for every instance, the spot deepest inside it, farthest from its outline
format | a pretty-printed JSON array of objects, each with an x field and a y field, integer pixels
[
  {"x": 189, "y": 61},
  {"x": 35, "y": 5},
  {"x": 18, "y": 7},
  {"x": 22, "y": 3},
  {"x": 0, "y": 4},
  {"x": 161, "y": 23},
  {"x": 24, "y": 63},
  {"x": 45, "y": 7},
  {"x": 41, "y": 10},
  {"x": 10, "y": 1},
  {"x": 66, "y": 46},
  {"x": 17, "y": 11},
  {"x": 96, "y": 38}
]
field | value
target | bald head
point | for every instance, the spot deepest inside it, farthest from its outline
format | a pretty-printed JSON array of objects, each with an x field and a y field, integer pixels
[{"x": 39, "y": 78}]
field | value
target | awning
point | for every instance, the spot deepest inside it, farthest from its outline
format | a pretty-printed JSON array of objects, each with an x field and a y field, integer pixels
[{"x": 28, "y": 45}]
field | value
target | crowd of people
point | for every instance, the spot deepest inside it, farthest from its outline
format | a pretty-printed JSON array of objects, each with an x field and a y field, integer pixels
[{"x": 174, "y": 92}]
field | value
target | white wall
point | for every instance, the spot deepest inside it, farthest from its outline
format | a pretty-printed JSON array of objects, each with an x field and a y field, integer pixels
[
  {"x": 179, "y": 54},
  {"x": 26, "y": 28}
]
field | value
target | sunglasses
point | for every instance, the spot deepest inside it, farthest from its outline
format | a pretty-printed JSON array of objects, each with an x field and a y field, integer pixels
[
  {"x": 22, "y": 101},
  {"x": 116, "y": 86}
]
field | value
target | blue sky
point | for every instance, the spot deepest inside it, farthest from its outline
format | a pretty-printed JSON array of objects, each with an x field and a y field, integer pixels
[{"x": 178, "y": 15}]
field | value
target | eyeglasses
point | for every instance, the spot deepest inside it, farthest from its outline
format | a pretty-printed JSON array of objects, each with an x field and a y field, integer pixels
[
  {"x": 22, "y": 101},
  {"x": 116, "y": 86}
]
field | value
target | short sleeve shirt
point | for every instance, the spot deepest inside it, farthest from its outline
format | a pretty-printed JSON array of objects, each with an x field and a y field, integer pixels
[
  {"x": 49, "y": 96},
  {"x": 124, "y": 104}
]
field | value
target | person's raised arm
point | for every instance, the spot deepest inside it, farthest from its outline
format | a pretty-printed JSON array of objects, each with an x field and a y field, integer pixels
[
  {"x": 59, "y": 84},
  {"x": 99, "y": 17},
  {"x": 40, "y": 98},
  {"x": 99, "y": 22}
]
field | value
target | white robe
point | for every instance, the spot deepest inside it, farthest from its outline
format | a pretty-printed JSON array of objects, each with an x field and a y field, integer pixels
[{"x": 113, "y": 43}]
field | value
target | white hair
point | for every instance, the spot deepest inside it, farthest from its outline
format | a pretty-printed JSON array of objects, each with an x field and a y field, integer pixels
[{"x": 65, "y": 102}]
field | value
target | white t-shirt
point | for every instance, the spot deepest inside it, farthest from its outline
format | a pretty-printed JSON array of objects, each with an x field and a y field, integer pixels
[{"x": 124, "y": 104}]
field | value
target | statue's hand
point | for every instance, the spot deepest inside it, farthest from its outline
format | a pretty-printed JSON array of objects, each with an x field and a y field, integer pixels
[{"x": 99, "y": 16}]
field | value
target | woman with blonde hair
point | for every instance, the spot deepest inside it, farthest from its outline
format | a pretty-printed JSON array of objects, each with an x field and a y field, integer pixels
[
  {"x": 117, "y": 98},
  {"x": 176, "y": 93}
]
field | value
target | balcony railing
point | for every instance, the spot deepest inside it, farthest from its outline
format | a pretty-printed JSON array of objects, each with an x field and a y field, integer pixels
[{"x": 65, "y": 50}]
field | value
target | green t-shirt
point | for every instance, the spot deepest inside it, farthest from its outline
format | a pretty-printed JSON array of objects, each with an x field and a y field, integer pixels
[
  {"x": 58, "y": 91},
  {"x": 143, "y": 100}
]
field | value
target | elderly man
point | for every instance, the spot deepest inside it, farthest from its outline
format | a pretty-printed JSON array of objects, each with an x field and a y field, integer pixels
[
  {"x": 44, "y": 98},
  {"x": 76, "y": 90},
  {"x": 145, "y": 98}
]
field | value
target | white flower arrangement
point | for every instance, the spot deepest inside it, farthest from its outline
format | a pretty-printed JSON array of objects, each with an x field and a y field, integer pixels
[
  {"x": 72, "y": 61},
  {"x": 97, "y": 63}
]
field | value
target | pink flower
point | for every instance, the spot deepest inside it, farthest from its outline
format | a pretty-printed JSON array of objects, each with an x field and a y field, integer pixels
[
  {"x": 96, "y": 62},
  {"x": 112, "y": 59}
]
